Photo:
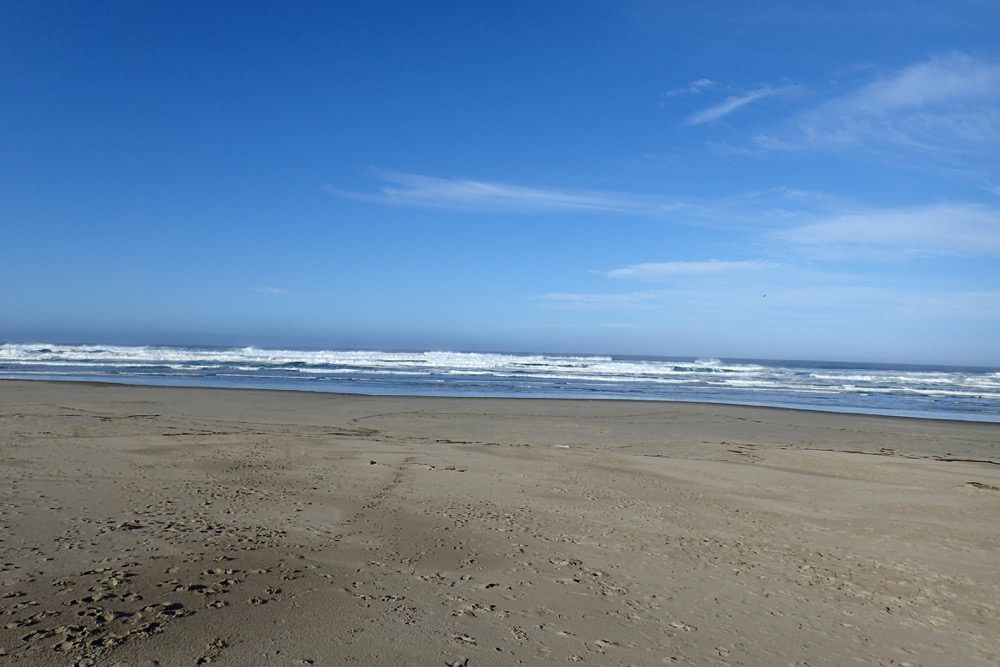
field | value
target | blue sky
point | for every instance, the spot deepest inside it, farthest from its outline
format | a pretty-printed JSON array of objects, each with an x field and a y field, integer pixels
[{"x": 782, "y": 180}]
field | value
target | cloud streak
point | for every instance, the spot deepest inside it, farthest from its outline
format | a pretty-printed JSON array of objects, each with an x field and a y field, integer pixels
[
  {"x": 661, "y": 270},
  {"x": 602, "y": 299},
  {"x": 734, "y": 103},
  {"x": 935, "y": 81},
  {"x": 797, "y": 301},
  {"x": 941, "y": 229},
  {"x": 693, "y": 88},
  {"x": 947, "y": 105},
  {"x": 808, "y": 224},
  {"x": 274, "y": 291},
  {"x": 420, "y": 191},
  {"x": 417, "y": 190}
]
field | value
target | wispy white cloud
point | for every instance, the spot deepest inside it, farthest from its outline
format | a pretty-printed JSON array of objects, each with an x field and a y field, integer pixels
[
  {"x": 946, "y": 105},
  {"x": 791, "y": 301},
  {"x": 602, "y": 299},
  {"x": 660, "y": 270},
  {"x": 938, "y": 80},
  {"x": 693, "y": 88},
  {"x": 275, "y": 291},
  {"x": 806, "y": 224},
  {"x": 939, "y": 229},
  {"x": 405, "y": 189},
  {"x": 735, "y": 103},
  {"x": 416, "y": 190}
]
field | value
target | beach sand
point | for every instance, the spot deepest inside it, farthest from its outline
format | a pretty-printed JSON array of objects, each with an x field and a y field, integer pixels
[{"x": 166, "y": 526}]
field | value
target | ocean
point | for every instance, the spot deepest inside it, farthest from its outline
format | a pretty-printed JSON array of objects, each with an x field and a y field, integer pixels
[{"x": 942, "y": 392}]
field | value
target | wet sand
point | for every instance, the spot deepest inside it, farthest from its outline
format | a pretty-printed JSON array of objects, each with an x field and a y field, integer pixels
[{"x": 143, "y": 526}]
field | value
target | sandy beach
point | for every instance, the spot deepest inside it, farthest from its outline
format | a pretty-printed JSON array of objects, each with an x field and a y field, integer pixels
[{"x": 143, "y": 526}]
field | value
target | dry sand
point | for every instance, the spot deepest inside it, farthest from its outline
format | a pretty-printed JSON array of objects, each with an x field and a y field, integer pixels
[{"x": 170, "y": 526}]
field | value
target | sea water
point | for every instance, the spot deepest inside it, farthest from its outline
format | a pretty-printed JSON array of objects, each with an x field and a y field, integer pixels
[{"x": 945, "y": 392}]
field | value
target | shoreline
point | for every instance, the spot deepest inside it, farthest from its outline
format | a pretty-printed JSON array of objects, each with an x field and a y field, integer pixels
[
  {"x": 197, "y": 525},
  {"x": 967, "y": 418}
]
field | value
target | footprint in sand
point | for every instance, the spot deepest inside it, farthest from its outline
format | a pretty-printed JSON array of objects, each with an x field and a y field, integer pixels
[{"x": 682, "y": 626}]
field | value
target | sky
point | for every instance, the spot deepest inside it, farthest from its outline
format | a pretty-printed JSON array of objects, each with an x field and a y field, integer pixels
[{"x": 784, "y": 180}]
